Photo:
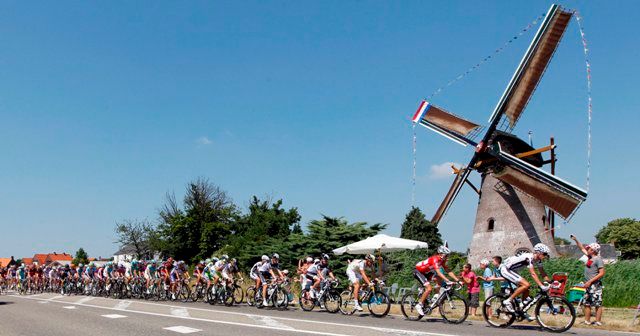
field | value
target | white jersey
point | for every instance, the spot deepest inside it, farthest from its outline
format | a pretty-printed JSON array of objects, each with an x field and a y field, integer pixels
[
  {"x": 219, "y": 265},
  {"x": 515, "y": 263},
  {"x": 357, "y": 265},
  {"x": 256, "y": 267}
]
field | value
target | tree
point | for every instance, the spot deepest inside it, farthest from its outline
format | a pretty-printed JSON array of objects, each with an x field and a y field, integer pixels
[
  {"x": 624, "y": 233},
  {"x": 201, "y": 227},
  {"x": 137, "y": 234},
  {"x": 81, "y": 257},
  {"x": 417, "y": 227}
]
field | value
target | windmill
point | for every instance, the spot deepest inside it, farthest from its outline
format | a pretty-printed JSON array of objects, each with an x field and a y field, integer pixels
[{"x": 514, "y": 190}]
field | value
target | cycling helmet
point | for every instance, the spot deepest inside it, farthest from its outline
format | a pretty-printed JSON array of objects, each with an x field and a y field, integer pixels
[
  {"x": 443, "y": 250},
  {"x": 224, "y": 257},
  {"x": 234, "y": 260},
  {"x": 22, "y": 265},
  {"x": 541, "y": 248},
  {"x": 265, "y": 257},
  {"x": 309, "y": 259},
  {"x": 595, "y": 247},
  {"x": 285, "y": 272},
  {"x": 275, "y": 256},
  {"x": 207, "y": 261},
  {"x": 134, "y": 261},
  {"x": 325, "y": 256},
  {"x": 316, "y": 260},
  {"x": 81, "y": 265},
  {"x": 201, "y": 262},
  {"x": 215, "y": 259},
  {"x": 484, "y": 262}
]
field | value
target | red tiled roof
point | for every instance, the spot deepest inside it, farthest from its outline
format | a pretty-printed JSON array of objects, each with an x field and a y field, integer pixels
[
  {"x": 27, "y": 261},
  {"x": 4, "y": 262},
  {"x": 40, "y": 258},
  {"x": 58, "y": 257}
]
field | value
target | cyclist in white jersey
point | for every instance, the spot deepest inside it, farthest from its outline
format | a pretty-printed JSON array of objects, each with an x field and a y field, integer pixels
[
  {"x": 356, "y": 271},
  {"x": 267, "y": 272},
  {"x": 510, "y": 267},
  {"x": 255, "y": 270}
]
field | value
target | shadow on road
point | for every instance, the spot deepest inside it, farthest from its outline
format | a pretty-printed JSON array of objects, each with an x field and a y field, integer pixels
[{"x": 2, "y": 303}]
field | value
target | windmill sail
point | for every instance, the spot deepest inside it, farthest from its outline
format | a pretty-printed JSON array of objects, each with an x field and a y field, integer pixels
[
  {"x": 532, "y": 67},
  {"x": 445, "y": 123},
  {"x": 557, "y": 194},
  {"x": 461, "y": 177}
]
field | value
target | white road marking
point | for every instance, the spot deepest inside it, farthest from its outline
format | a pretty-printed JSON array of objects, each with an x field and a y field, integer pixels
[
  {"x": 69, "y": 307},
  {"x": 55, "y": 298},
  {"x": 85, "y": 299},
  {"x": 43, "y": 301},
  {"x": 271, "y": 322},
  {"x": 122, "y": 305},
  {"x": 180, "y": 312},
  {"x": 182, "y": 329},
  {"x": 199, "y": 319},
  {"x": 112, "y": 316}
]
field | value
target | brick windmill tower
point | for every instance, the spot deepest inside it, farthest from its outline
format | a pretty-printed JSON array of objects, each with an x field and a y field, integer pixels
[{"x": 517, "y": 197}]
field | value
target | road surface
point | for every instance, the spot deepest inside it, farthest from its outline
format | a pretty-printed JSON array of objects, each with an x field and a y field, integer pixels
[{"x": 56, "y": 315}]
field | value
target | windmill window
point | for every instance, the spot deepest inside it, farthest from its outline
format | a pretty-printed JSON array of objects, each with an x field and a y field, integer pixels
[{"x": 491, "y": 224}]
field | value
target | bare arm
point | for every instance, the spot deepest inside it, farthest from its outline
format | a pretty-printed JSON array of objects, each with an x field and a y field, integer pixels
[
  {"x": 535, "y": 276},
  {"x": 580, "y": 246},
  {"x": 595, "y": 278}
]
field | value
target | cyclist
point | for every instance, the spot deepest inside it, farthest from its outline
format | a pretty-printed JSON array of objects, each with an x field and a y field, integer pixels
[
  {"x": 229, "y": 270},
  {"x": 209, "y": 272},
  {"x": 198, "y": 271},
  {"x": 267, "y": 272},
  {"x": 432, "y": 269},
  {"x": 510, "y": 267},
  {"x": 254, "y": 273},
  {"x": 356, "y": 271}
]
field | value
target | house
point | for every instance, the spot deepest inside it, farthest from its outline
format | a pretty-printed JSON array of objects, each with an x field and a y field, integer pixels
[
  {"x": 99, "y": 261},
  {"x": 61, "y": 258},
  {"x": 27, "y": 261},
  {"x": 607, "y": 252},
  {"x": 4, "y": 262},
  {"x": 40, "y": 258},
  {"x": 128, "y": 252}
]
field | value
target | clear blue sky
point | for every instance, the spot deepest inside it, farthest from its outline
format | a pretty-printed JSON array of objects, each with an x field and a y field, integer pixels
[{"x": 106, "y": 106}]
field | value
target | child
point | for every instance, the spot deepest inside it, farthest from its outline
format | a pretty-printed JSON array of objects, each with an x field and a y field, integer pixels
[{"x": 473, "y": 286}]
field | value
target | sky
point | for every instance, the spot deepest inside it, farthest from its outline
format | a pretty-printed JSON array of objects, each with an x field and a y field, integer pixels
[{"x": 107, "y": 106}]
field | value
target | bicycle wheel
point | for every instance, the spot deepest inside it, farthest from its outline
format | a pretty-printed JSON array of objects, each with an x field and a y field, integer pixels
[
  {"x": 185, "y": 293},
  {"x": 212, "y": 295},
  {"x": 238, "y": 295},
  {"x": 307, "y": 303},
  {"x": 408, "y": 306},
  {"x": 347, "y": 307},
  {"x": 379, "y": 304},
  {"x": 281, "y": 299},
  {"x": 251, "y": 296},
  {"x": 555, "y": 314},
  {"x": 454, "y": 308},
  {"x": 494, "y": 312},
  {"x": 227, "y": 296},
  {"x": 332, "y": 301}
]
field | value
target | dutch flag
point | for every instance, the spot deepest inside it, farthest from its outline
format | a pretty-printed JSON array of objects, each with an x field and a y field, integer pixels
[{"x": 424, "y": 107}]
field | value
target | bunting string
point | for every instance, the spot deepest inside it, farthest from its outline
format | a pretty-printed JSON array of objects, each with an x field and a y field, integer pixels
[
  {"x": 458, "y": 78},
  {"x": 587, "y": 63}
]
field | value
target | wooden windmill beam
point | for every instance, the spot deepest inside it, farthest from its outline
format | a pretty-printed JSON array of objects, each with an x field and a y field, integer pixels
[{"x": 520, "y": 155}]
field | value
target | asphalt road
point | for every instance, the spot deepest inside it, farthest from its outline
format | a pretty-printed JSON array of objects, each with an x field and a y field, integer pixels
[{"x": 55, "y": 315}]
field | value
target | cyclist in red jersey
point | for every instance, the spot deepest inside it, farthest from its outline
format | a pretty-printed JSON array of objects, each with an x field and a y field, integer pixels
[{"x": 427, "y": 269}]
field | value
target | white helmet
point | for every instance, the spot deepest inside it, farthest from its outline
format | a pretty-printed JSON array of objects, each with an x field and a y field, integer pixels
[
  {"x": 316, "y": 260},
  {"x": 275, "y": 256},
  {"x": 309, "y": 259},
  {"x": 541, "y": 248},
  {"x": 595, "y": 247},
  {"x": 265, "y": 257},
  {"x": 484, "y": 262},
  {"x": 443, "y": 250}
]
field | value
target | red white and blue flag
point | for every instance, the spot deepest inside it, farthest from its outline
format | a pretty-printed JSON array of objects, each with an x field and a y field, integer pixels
[{"x": 424, "y": 107}]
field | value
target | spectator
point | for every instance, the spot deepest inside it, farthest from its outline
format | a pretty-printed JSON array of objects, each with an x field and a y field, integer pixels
[
  {"x": 488, "y": 276},
  {"x": 473, "y": 287},
  {"x": 593, "y": 273}
]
